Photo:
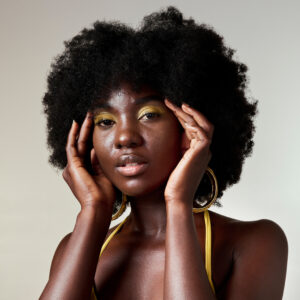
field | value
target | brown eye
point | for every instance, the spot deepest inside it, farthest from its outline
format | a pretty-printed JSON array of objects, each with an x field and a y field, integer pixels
[
  {"x": 150, "y": 115},
  {"x": 105, "y": 123},
  {"x": 104, "y": 119}
]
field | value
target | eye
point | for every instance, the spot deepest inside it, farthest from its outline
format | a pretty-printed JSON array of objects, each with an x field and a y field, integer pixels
[
  {"x": 104, "y": 119},
  {"x": 150, "y": 115},
  {"x": 151, "y": 112},
  {"x": 104, "y": 123}
]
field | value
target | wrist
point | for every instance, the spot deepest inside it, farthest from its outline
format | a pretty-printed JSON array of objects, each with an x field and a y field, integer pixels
[
  {"x": 179, "y": 208},
  {"x": 101, "y": 210},
  {"x": 180, "y": 217},
  {"x": 96, "y": 205}
]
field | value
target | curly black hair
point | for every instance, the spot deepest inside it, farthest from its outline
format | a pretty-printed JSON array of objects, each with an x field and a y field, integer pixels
[{"x": 182, "y": 60}]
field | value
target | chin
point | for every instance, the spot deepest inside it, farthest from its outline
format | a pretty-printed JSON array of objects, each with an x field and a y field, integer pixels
[{"x": 138, "y": 187}]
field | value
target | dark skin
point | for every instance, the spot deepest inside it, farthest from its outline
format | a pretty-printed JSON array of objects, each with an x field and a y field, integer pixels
[{"x": 159, "y": 253}]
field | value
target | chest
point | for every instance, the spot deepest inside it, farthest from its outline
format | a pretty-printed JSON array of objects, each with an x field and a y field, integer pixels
[{"x": 135, "y": 272}]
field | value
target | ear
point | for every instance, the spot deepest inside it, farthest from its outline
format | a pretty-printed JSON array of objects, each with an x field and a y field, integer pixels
[{"x": 185, "y": 143}]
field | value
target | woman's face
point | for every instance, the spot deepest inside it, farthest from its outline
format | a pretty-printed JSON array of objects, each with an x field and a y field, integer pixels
[{"x": 137, "y": 140}]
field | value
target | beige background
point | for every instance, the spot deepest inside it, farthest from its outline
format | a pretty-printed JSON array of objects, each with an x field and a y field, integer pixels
[{"x": 37, "y": 209}]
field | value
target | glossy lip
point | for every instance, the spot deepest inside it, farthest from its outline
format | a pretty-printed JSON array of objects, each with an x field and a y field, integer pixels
[
  {"x": 132, "y": 170},
  {"x": 127, "y": 158}
]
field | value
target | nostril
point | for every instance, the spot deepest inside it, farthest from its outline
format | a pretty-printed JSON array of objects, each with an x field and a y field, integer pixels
[
  {"x": 126, "y": 145},
  {"x": 128, "y": 139}
]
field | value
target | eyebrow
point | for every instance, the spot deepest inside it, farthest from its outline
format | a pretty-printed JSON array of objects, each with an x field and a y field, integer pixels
[{"x": 102, "y": 104}]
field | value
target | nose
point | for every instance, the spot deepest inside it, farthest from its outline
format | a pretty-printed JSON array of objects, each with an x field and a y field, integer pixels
[{"x": 128, "y": 136}]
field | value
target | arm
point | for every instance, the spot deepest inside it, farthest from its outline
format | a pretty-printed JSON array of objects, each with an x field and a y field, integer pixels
[
  {"x": 76, "y": 258},
  {"x": 185, "y": 274},
  {"x": 259, "y": 264},
  {"x": 259, "y": 270},
  {"x": 74, "y": 263}
]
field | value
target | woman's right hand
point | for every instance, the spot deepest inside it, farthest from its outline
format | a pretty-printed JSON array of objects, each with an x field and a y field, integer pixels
[{"x": 89, "y": 189}]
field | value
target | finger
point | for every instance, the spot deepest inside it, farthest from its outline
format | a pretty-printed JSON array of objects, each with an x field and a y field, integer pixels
[
  {"x": 192, "y": 128},
  {"x": 71, "y": 141},
  {"x": 198, "y": 133},
  {"x": 182, "y": 117},
  {"x": 200, "y": 119},
  {"x": 84, "y": 134},
  {"x": 187, "y": 122},
  {"x": 192, "y": 117},
  {"x": 187, "y": 131},
  {"x": 180, "y": 113}
]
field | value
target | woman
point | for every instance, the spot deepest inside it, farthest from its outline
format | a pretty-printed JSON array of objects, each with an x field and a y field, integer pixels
[{"x": 161, "y": 123}]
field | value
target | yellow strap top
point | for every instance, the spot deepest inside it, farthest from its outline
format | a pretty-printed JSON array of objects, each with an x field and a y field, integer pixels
[{"x": 207, "y": 249}]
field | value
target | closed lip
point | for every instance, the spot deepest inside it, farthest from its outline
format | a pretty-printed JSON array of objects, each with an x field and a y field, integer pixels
[
  {"x": 125, "y": 159},
  {"x": 131, "y": 165},
  {"x": 132, "y": 170}
]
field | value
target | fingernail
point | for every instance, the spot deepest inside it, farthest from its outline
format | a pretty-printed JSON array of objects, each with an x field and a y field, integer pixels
[
  {"x": 186, "y": 106},
  {"x": 167, "y": 100},
  {"x": 89, "y": 115}
]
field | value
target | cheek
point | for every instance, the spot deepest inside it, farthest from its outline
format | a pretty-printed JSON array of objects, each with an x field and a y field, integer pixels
[
  {"x": 182, "y": 139},
  {"x": 185, "y": 143},
  {"x": 102, "y": 146},
  {"x": 167, "y": 146},
  {"x": 179, "y": 133}
]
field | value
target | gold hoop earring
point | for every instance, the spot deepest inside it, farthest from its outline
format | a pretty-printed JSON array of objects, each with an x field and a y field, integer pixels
[
  {"x": 122, "y": 208},
  {"x": 214, "y": 192}
]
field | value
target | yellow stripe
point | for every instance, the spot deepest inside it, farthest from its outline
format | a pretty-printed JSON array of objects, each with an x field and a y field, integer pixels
[
  {"x": 112, "y": 235},
  {"x": 208, "y": 248},
  {"x": 93, "y": 295}
]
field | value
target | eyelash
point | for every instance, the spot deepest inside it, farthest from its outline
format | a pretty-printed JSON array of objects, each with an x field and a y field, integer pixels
[
  {"x": 151, "y": 113},
  {"x": 156, "y": 115}
]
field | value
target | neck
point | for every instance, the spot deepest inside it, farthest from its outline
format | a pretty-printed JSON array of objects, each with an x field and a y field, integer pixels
[{"x": 148, "y": 214}]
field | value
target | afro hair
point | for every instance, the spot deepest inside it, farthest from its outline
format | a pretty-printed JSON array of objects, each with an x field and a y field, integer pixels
[{"x": 182, "y": 60}]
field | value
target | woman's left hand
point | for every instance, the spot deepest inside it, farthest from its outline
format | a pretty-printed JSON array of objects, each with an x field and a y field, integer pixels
[{"x": 186, "y": 177}]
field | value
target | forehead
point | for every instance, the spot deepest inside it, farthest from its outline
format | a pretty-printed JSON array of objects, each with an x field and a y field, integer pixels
[{"x": 126, "y": 95}]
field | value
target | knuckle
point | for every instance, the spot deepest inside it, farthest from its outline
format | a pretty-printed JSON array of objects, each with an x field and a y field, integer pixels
[
  {"x": 80, "y": 143},
  {"x": 208, "y": 141},
  {"x": 204, "y": 144}
]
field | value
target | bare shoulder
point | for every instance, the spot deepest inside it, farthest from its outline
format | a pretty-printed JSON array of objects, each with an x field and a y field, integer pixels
[
  {"x": 263, "y": 231},
  {"x": 62, "y": 245},
  {"x": 259, "y": 257},
  {"x": 58, "y": 253}
]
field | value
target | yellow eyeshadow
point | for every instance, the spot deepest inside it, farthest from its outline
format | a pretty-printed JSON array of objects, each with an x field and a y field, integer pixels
[
  {"x": 103, "y": 116},
  {"x": 144, "y": 110},
  {"x": 150, "y": 109}
]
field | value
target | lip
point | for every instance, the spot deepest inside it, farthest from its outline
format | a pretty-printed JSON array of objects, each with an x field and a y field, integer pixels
[
  {"x": 132, "y": 170},
  {"x": 128, "y": 158}
]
